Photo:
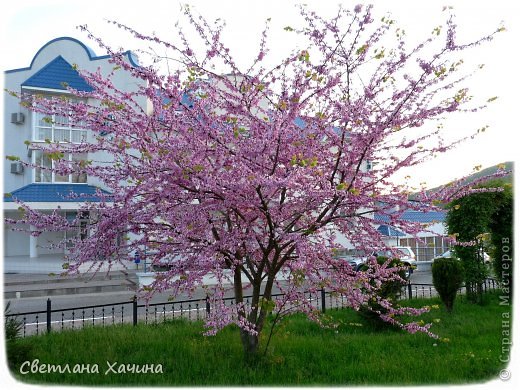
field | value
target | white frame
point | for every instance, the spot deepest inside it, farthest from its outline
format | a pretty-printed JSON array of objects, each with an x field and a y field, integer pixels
[
  {"x": 53, "y": 127},
  {"x": 53, "y": 174}
]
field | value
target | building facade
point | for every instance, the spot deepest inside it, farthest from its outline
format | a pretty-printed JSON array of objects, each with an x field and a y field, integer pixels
[
  {"x": 53, "y": 68},
  {"x": 428, "y": 244},
  {"x": 51, "y": 71}
]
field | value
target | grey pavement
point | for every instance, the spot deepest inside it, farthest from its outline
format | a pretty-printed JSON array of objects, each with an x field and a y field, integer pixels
[
  {"x": 25, "y": 304},
  {"x": 421, "y": 277},
  {"x": 45, "y": 264}
]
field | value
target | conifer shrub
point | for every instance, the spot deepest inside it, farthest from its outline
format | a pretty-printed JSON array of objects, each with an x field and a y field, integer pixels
[{"x": 448, "y": 275}]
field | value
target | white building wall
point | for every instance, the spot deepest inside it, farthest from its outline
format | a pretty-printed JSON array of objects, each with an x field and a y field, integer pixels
[
  {"x": 15, "y": 243},
  {"x": 15, "y": 135},
  {"x": 74, "y": 52}
]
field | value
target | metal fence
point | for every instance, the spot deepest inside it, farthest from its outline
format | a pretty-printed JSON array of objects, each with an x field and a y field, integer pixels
[{"x": 131, "y": 312}]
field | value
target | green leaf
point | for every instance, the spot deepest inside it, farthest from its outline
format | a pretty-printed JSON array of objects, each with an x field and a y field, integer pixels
[
  {"x": 341, "y": 186},
  {"x": 198, "y": 168},
  {"x": 12, "y": 158},
  {"x": 266, "y": 305},
  {"x": 362, "y": 49},
  {"x": 304, "y": 56},
  {"x": 11, "y": 93},
  {"x": 56, "y": 155},
  {"x": 288, "y": 28},
  {"x": 298, "y": 277},
  {"x": 354, "y": 191}
]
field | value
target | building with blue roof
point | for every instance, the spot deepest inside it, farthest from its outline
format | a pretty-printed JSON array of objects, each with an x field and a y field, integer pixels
[
  {"x": 54, "y": 70},
  {"x": 58, "y": 75},
  {"x": 428, "y": 244}
]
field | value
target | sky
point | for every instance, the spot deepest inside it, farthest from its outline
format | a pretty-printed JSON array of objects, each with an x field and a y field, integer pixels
[{"x": 28, "y": 25}]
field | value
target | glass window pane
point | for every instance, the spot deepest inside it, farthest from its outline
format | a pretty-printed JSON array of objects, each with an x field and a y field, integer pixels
[
  {"x": 61, "y": 135},
  {"x": 77, "y": 135},
  {"x": 42, "y": 175},
  {"x": 78, "y": 123},
  {"x": 61, "y": 121},
  {"x": 61, "y": 179},
  {"x": 43, "y": 133},
  {"x": 79, "y": 177},
  {"x": 43, "y": 120}
]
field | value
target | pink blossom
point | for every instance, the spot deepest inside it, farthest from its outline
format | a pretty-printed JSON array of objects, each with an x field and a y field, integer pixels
[{"x": 255, "y": 179}]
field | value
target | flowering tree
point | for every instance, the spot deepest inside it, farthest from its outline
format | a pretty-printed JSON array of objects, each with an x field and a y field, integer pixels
[{"x": 252, "y": 174}]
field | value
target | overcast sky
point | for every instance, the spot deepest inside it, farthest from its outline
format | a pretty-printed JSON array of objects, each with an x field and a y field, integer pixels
[{"x": 28, "y": 25}]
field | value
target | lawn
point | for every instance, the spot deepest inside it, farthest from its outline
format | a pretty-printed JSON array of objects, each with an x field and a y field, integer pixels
[{"x": 301, "y": 353}]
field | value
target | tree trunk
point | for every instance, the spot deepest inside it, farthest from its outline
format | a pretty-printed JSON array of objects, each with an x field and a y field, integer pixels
[
  {"x": 249, "y": 341},
  {"x": 250, "y": 344}
]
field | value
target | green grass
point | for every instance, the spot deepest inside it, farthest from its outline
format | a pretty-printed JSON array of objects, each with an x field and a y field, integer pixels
[{"x": 301, "y": 353}]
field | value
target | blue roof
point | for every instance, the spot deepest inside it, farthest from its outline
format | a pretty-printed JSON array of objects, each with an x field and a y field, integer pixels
[
  {"x": 416, "y": 216},
  {"x": 386, "y": 230},
  {"x": 51, "y": 192},
  {"x": 58, "y": 74}
]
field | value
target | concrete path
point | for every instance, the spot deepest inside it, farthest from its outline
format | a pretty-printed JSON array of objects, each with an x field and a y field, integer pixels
[{"x": 46, "y": 264}]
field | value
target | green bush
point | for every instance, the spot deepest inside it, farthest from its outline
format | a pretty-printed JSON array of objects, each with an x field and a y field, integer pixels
[
  {"x": 13, "y": 326},
  {"x": 17, "y": 351},
  {"x": 389, "y": 290},
  {"x": 448, "y": 275}
]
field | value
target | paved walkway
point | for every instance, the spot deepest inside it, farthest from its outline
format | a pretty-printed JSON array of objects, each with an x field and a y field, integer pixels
[{"x": 46, "y": 264}]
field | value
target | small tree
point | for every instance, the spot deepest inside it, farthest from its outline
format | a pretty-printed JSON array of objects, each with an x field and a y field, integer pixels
[
  {"x": 17, "y": 351},
  {"x": 502, "y": 240},
  {"x": 448, "y": 275},
  {"x": 470, "y": 219},
  {"x": 250, "y": 173}
]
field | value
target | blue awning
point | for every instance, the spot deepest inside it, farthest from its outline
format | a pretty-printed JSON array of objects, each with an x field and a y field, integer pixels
[
  {"x": 51, "y": 192},
  {"x": 389, "y": 231}
]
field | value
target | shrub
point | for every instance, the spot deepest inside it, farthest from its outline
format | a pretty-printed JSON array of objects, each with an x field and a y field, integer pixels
[
  {"x": 17, "y": 352},
  {"x": 388, "y": 290},
  {"x": 12, "y": 324},
  {"x": 448, "y": 274}
]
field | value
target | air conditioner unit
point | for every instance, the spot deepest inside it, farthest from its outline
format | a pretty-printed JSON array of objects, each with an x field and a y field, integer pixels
[
  {"x": 17, "y": 118},
  {"x": 17, "y": 168}
]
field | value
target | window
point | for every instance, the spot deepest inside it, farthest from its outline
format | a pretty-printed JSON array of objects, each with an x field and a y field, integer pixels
[
  {"x": 44, "y": 174},
  {"x": 58, "y": 128},
  {"x": 80, "y": 230}
]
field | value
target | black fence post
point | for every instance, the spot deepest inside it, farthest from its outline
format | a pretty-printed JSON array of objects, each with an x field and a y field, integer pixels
[
  {"x": 134, "y": 306},
  {"x": 208, "y": 306},
  {"x": 323, "y": 300},
  {"x": 49, "y": 306},
  {"x": 409, "y": 290}
]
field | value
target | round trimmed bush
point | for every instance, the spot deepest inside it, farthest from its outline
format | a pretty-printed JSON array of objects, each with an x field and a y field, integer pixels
[{"x": 448, "y": 275}]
